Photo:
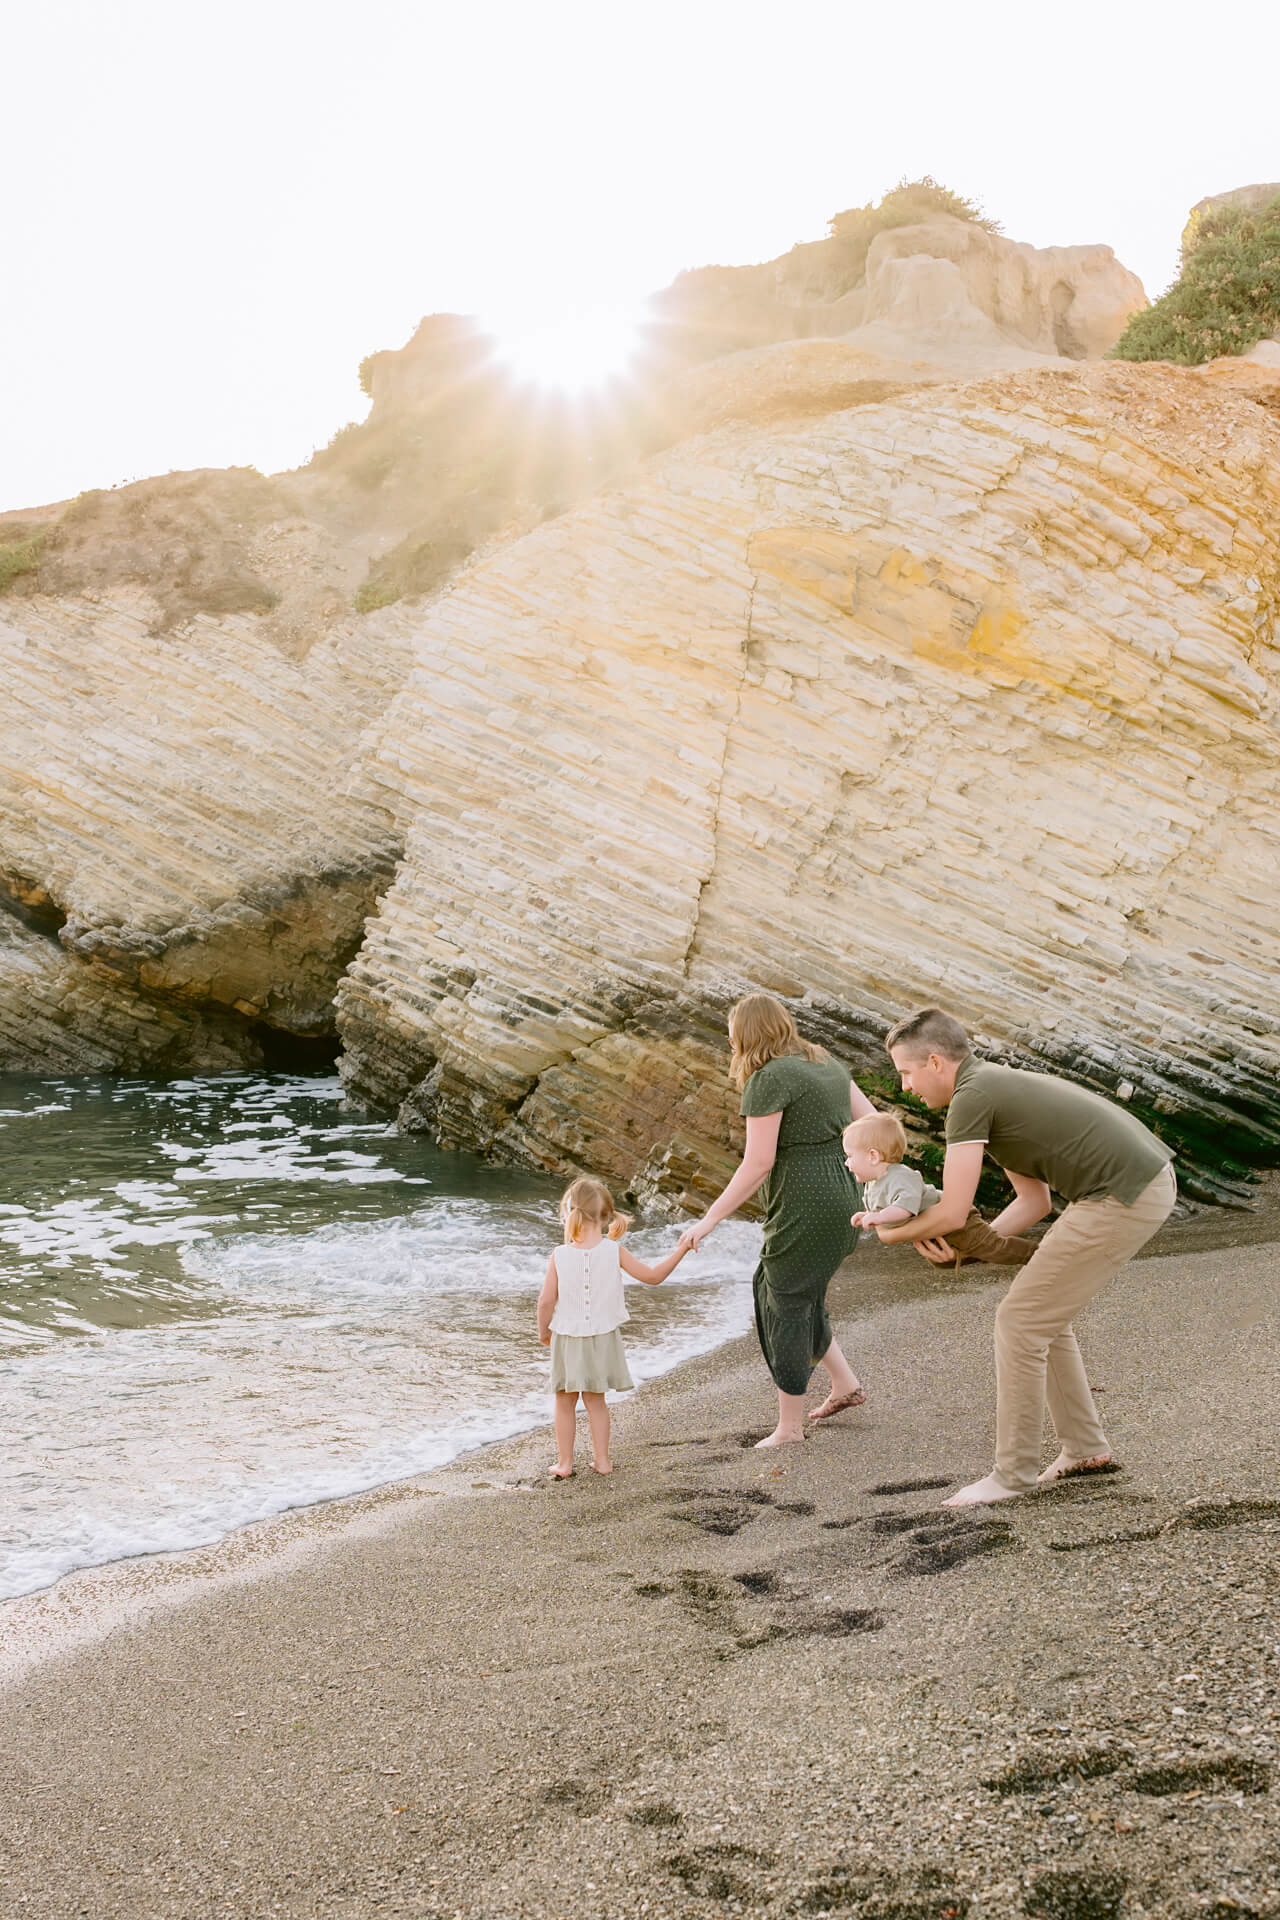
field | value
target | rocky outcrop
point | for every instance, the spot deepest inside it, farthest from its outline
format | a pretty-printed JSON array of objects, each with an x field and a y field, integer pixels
[
  {"x": 954, "y": 279},
  {"x": 457, "y": 451},
  {"x": 930, "y": 665},
  {"x": 941, "y": 283},
  {"x": 968, "y": 696},
  {"x": 187, "y": 856}
]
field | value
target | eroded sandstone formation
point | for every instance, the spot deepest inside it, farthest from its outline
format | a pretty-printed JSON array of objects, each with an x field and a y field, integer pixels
[
  {"x": 985, "y": 299},
  {"x": 187, "y": 854},
  {"x": 928, "y": 666},
  {"x": 968, "y": 696}
]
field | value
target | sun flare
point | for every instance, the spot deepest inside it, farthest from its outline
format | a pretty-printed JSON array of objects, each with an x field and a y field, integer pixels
[{"x": 573, "y": 352}]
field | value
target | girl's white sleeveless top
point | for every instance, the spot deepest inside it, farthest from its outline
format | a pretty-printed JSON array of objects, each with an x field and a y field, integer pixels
[{"x": 590, "y": 1298}]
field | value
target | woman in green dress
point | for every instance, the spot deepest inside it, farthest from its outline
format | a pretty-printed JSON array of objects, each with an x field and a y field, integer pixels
[{"x": 797, "y": 1101}]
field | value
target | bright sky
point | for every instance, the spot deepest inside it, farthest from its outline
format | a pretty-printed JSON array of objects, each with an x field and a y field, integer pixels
[{"x": 214, "y": 211}]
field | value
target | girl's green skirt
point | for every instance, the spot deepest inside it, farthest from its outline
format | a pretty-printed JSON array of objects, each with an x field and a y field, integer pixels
[{"x": 591, "y": 1363}]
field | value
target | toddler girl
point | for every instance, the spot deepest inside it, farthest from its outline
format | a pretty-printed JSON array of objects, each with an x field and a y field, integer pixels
[{"x": 580, "y": 1310}]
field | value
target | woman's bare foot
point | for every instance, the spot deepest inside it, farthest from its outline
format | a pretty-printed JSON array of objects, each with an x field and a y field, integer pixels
[
  {"x": 781, "y": 1437},
  {"x": 560, "y": 1472},
  {"x": 983, "y": 1493},
  {"x": 1064, "y": 1467},
  {"x": 837, "y": 1402}
]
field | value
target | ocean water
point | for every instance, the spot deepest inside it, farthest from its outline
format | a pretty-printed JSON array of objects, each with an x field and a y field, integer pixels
[{"x": 227, "y": 1296}]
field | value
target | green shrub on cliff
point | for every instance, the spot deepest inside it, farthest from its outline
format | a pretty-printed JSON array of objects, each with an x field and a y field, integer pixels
[
  {"x": 1226, "y": 297},
  {"x": 19, "y": 553},
  {"x": 905, "y": 205}
]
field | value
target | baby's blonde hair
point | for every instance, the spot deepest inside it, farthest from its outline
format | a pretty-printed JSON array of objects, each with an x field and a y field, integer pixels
[
  {"x": 589, "y": 1203},
  {"x": 761, "y": 1029},
  {"x": 881, "y": 1133}
]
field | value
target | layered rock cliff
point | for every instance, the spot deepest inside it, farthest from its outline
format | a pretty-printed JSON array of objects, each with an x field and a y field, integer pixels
[
  {"x": 969, "y": 696},
  {"x": 187, "y": 856},
  {"x": 926, "y": 664}
]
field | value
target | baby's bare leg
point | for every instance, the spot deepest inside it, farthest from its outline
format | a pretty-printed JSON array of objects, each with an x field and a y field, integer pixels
[
  {"x": 566, "y": 1434},
  {"x": 598, "y": 1421}
]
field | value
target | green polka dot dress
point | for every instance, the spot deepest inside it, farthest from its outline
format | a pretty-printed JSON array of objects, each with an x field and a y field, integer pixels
[{"x": 808, "y": 1198}]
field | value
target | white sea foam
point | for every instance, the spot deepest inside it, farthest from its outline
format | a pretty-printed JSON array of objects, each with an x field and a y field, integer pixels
[
  {"x": 213, "y": 1364},
  {"x": 361, "y": 1355}
]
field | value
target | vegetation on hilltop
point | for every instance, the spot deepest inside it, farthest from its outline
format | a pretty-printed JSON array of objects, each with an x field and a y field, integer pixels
[
  {"x": 20, "y": 550},
  {"x": 185, "y": 537},
  {"x": 1226, "y": 297},
  {"x": 905, "y": 205}
]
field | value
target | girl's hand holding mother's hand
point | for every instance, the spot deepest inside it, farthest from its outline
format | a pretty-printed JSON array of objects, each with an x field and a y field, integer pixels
[{"x": 693, "y": 1236}]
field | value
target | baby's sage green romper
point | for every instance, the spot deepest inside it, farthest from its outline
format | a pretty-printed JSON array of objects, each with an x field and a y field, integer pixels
[{"x": 808, "y": 1198}]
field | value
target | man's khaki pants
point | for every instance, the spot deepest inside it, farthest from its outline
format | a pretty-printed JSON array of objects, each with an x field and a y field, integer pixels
[{"x": 1036, "y": 1353}]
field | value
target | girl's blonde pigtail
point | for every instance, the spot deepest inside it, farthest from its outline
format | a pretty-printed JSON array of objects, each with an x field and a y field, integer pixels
[{"x": 618, "y": 1225}]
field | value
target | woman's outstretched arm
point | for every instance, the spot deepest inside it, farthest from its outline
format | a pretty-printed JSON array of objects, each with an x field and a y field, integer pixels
[
  {"x": 859, "y": 1105},
  {"x": 761, "y": 1152}
]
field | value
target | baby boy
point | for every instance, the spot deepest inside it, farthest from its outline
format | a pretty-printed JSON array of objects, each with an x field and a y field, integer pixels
[{"x": 873, "y": 1148}]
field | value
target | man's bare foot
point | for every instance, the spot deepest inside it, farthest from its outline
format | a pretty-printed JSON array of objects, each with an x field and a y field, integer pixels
[
  {"x": 983, "y": 1493},
  {"x": 560, "y": 1472},
  {"x": 837, "y": 1402},
  {"x": 602, "y": 1466},
  {"x": 781, "y": 1437},
  {"x": 1064, "y": 1467}
]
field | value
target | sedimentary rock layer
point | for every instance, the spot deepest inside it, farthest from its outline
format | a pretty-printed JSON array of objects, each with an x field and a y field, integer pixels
[
  {"x": 187, "y": 855},
  {"x": 966, "y": 697}
]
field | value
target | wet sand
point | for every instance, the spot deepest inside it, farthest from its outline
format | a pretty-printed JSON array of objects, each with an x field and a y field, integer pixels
[{"x": 722, "y": 1681}]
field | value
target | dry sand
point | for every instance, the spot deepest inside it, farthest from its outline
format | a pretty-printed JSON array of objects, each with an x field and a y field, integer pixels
[{"x": 722, "y": 1682}]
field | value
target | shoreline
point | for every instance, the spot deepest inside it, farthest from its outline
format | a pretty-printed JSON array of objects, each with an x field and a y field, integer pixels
[
  {"x": 86, "y": 1604},
  {"x": 722, "y": 1680}
]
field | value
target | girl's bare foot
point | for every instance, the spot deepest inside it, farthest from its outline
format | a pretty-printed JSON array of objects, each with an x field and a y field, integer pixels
[
  {"x": 781, "y": 1437},
  {"x": 602, "y": 1466},
  {"x": 560, "y": 1472}
]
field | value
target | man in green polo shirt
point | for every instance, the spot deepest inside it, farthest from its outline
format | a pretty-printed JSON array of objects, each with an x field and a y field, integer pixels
[{"x": 1116, "y": 1178}]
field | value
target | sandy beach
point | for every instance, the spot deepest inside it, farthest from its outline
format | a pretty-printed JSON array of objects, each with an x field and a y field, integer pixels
[{"x": 723, "y": 1681}]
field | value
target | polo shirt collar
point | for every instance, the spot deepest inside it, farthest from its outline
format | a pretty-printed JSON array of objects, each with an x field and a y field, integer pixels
[{"x": 967, "y": 1066}]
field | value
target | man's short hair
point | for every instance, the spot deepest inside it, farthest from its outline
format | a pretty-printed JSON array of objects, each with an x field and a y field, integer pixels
[{"x": 930, "y": 1031}]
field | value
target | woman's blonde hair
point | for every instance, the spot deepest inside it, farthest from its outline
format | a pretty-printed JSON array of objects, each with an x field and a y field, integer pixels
[
  {"x": 760, "y": 1030},
  {"x": 589, "y": 1203}
]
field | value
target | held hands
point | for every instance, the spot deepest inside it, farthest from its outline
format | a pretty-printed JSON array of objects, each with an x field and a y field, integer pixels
[{"x": 693, "y": 1236}]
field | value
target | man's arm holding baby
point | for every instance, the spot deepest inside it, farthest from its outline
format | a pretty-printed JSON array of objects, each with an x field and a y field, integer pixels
[
  {"x": 1031, "y": 1201},
  {"x": 961, "y": 1171}
]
